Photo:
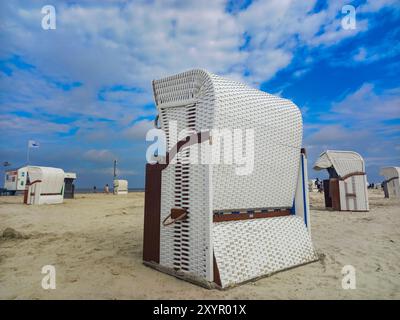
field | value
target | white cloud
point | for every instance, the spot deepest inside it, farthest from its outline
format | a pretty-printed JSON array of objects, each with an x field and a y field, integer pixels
[
  {"x": 361, "y": 55},
  {"x": 103, "y": 155},
  {"x": 138, "y": 130},
  {"x": 376, "y": 5},
  {"x": 103, "y": 45},
  {"x": 109, "y": 171},
  {"x": 358, "y": 119},
  {"x": 114, "y": 43},
  {"x": 331, "y": 135},
  {"x": 365, "y": 106},
  {"x": 300, "y": 72},
  {"x": 15, "y": 126},
  {"x": 359, "y": 122},
  {"x": 388, "y": 49}
]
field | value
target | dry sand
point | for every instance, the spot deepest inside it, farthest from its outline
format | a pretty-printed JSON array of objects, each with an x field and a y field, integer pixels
[{"x": 95, "y": 243}]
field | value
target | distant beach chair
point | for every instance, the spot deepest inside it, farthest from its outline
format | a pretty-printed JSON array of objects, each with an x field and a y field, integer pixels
[
  {"x": 45, "y": 185},
  {"x": 391, "y": 184},
  {"x": 120, "y": 186},
  {"x": 206, "y": 223},
  {"x": 346, "y": 188}
]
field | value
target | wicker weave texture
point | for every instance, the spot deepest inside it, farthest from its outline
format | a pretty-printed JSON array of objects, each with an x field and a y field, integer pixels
[
  {"x": 171, "y": 237},
  {"x": 277, "y": 129},
  {"x": 185, "y": 245},
  {"x": 226, "y": 104},
  {"x": 197, "y": 100},
  {"x": 252, "y": 248}
]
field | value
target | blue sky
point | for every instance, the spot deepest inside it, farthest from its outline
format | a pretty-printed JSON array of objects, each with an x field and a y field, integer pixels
[{"x": 83, "y": 90}]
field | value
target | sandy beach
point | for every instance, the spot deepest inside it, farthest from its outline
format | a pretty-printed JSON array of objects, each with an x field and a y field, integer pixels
[{"x": 95, "y": 244}]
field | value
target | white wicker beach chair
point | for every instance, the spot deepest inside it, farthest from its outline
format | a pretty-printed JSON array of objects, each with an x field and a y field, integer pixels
[
  {"x": 226, "y": 228},
  {"x": 45, "y": 185},
  {"x": 391, "y": 184},
  {"x": 120, "y": 186},
  {"x": 346, "y": 188}
]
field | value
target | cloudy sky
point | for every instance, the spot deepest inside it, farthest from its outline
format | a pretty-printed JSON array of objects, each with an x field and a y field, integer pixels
[{"x": 83, "y": 90}]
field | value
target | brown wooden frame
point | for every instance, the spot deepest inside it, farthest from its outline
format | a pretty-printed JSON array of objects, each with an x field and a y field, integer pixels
[
  {"x": 152, "y": 202},
  {"x": 334, "y": 193},
  {"x": 391, "y": 179},
  {"x": 357, "y": 173},
  {"x": 152, "y": 207},
  {"x": 247, "y": 216}
]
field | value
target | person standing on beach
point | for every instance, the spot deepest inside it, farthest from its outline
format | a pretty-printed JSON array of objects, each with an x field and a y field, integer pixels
[
  {"x": 94, "y": 189},
  {"x": 106, "y": 189}
]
